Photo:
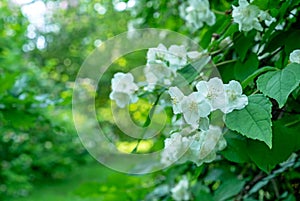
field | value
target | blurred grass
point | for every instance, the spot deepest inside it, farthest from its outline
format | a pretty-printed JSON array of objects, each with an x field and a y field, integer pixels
[{"x": 92, "y": 182}]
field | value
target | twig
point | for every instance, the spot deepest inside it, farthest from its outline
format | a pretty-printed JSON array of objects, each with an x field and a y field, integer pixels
[
  {"x": 226, "y": 62},
  {"x": 275, "y": 187}
]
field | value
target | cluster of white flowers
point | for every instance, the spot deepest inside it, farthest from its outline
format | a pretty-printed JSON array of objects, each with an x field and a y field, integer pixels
[
  {"x": 249, "y": 16},
  {"x": 193, "y": 145},
  {"x": 198, "y": 141},
  {"x": 211, "y": 95},
  {"x": 195, "y": 139},
  {"x": 123, "y": 89},
  {"x": 295, "y": 56},
  {"x": 162, "y": 64},
  {"x": 196, "y": 13},
  {"x": 180, "y": 192}
]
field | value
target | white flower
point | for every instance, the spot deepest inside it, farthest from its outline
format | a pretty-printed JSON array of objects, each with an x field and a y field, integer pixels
[
  {"x": 180, "y": 191},
  {"x": 177, "y": 56},
  {"x": 162, "y": 64},
  {"x": 196, "y": 13},
  {"x": 213, "y": 91},
  {"x": 193, "y": 107},
  {"x": 234, "y": 97},
  {"x": 194, "y": 55},
  {"x": 157, "y": 55},
  {"x": 192, "y": 145},
  {"x": 203, "y": 149},
  {"x": 176, "y": 96},
  {"x": 176, "y": 147},
  {"x": 211, "y": 139},
  {"x": 157, "y": 74},
  {"x": 295, "y": 56},
  {"x": 123, "y": 89},
  {"x": 247, "y": 16}
]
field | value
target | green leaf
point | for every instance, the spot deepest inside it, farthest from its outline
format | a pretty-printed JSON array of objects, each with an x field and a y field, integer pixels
[
  {"x": 262, "y": 4},
  {"x": 228, "y": 189},
  {"x": 275, "y": 40},
  {"x": 286, "y": 140},
  {"x": 295, "y": 68},
  {"x": 243, "y": 69},
  {"x": 280, "y": 84},
  {"x": 236, "y": 150},
  {"x": 253, "y": 121},
  {"x": 202, "y": 192},
  {"x": 292, "y": 41},
  {"x": 231, "y": 30},
  {"x": 7, "y": 81},
  {"x": 206, "y": 37},
  {"x": 242, "y": 44},
  {"x": 19, "y": 119},
  {"x": 226, "y": 72}
]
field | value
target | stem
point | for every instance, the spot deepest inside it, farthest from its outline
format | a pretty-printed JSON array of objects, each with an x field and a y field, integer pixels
[
  {"x": 226, "y": 62},
  {"x": 220, "y": 50},
  {"x": 292, "y": 123},
  {"x": 225, "y": 29},
  {"x": 255, "y": 91},
  {"x": 218, "y": 12},
  {"x": 255, "y": 74},
  {"x": 275, "y": 187},
  {"x": 148, "y": 120}
]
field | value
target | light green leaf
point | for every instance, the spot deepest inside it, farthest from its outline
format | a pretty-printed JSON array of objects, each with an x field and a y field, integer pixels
[
  {"x": 280, "y": 84},
  {"x": 253, "y": 121}
]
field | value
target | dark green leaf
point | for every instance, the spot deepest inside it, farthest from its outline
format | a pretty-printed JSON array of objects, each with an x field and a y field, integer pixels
[
  {"x": 236, "y": 150},
  {"x": 228, "y": 189},
  {"x": 243, "y": 69},
  {"x": 242, "y": 44},
  {"x": 286, "y": 140}
]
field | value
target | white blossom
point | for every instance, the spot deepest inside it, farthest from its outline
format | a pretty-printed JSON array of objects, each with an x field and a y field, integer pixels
[
  {"x": 194, "y": 54},
  {"x": 196, "y": 13},
  {"x": 180, "y": 191},
  {"x": 176, "y": 147},
  {"x": 177, "y": 56},
  {"x": 192, "y": 145},
  {"x": 295, "y": 56},
  {"x": 213, "y": 91},
  {"x": 248, "y": 16},
  {"x": 176, "y": 96},
  {"x": 157, "y": 74},
  {"x": 157, "y": 55},
  {"x": 234, "y": 97},
  {"x": 163, "y": 63},
  {"x": 123, "y": 89},
  {"x": 193, "y": 107},
  {"x": 203, "y": 149}
]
